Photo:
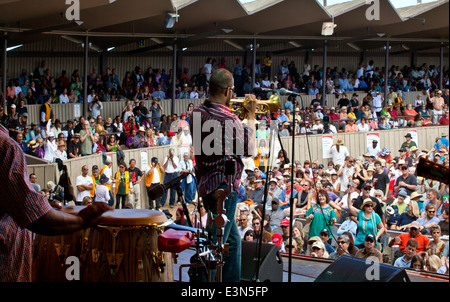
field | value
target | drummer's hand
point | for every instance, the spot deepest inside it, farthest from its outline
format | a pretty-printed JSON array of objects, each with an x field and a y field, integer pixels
[
  {"x": 251, "y": 104},
  {"x": 91, "y": 214},
  {"x": 55, "y": 205}
]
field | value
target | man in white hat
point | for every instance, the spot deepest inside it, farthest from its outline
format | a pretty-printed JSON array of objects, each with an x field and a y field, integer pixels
[
  {"x": 139, "y": 140},
  {"x": 50, "y": 147}
]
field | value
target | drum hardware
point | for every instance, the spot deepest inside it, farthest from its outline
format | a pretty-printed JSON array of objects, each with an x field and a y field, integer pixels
[
  {"x": 62, "y": 250},
  {"x": 158, "y": 260}
]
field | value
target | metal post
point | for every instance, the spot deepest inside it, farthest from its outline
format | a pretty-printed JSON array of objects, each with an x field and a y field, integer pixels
[
  {"x": 386, "y": 68},
  {"x": 85, "y": 84},
  {"x": 441, "y": 68},
  {"x": 253, "y": 65},
  {"x": 174, "y": 77},
  {"x": 4, "y": 67},
  {"x": 324, "y": 92}
]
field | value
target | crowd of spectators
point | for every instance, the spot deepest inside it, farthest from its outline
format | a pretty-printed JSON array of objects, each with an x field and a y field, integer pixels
[
  {"x": 348, "y": 207},
  {"x": 366, "y": 194}
]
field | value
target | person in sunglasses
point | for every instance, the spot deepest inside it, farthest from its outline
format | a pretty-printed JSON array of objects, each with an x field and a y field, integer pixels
[
  {"x": 405, "y": 180},
  {"x": 369, "y": 222},
  {"x": 369, "y": 249}
]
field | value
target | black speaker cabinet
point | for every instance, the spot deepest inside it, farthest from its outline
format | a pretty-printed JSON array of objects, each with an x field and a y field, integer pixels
[
  {"x": 350, "y": 269},
  {"x": 270, "y": 264}
]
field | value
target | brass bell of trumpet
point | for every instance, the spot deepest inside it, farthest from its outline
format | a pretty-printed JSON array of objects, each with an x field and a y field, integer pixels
[{"x": 264, "y": 106}]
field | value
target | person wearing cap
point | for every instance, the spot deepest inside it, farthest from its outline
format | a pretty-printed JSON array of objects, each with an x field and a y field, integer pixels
[
  {"x": 369, "y": 222},
  {"x": 16, "y": 126},
  {"x": 369, "y": 249},
  {"x": 413, "y": 233},
  {"x": 277, "y": 239},
  {"x": 275, "y": 214},
  {"x": 257, "y": 195},
  {"x": 74, "y": 148},
  {"x": 405, "y": 180},
  {"x": 318, "y": 250},
  {"x": 325, "y": 236},
  {"x": 408, "y": 143},
  {"x": 50, "y": 147},
  {"x": 101, "y": 190}
]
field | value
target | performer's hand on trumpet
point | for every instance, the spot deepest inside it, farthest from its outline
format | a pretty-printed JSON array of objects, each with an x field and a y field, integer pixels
[{"x": 251, "y": 104}]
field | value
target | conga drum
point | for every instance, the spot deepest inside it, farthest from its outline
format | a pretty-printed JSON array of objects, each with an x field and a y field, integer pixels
[
  {"x": 124, "y": 248},
  {"x": 51, "y": 252}
]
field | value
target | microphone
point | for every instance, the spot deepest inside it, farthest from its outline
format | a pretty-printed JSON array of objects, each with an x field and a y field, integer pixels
[
  {"x": 285, "y": 91},
  {"x": 159, "y": 190}
]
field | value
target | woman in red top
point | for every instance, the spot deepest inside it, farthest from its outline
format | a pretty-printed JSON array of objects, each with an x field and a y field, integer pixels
[{"x": 444, "y": 120}]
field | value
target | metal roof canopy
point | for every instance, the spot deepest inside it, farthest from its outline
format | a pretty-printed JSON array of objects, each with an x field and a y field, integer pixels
[{"x": 277, "y": 20}]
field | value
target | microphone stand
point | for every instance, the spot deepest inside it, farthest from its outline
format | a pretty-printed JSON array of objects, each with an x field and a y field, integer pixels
[{"x": 273, "y": 127}]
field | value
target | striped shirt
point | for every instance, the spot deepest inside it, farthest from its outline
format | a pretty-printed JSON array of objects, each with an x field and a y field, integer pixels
[
  {"x": 20, "y": 205},
  {"x": 218, "y": 136}
]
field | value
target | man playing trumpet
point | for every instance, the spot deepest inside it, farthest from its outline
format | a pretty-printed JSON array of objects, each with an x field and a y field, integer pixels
[{"x": 218, "y": 137}]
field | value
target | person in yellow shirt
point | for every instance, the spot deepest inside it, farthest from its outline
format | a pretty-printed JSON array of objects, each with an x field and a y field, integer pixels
[
  {"x": 152, "y": 179},
  {"x": 124, "y": 185},
  {"x": 268, "y": 64}
]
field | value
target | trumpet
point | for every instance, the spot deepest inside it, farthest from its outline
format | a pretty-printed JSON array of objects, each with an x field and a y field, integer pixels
[{"x": 264, "y": 106}]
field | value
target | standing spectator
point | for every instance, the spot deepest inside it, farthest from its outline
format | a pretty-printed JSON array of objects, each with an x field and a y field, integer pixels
[
  {"x": 188, "y": 184},
  {"x": 86, "y": 139},
  {"x": 369, "y": 222},
  {"x": 153, "y": 178},
  {"x": 50, "y": 147},
  {"x": 108, "y": 172},
  {"x": 438, "y": 103},
  {"x": 95, "y": 107},
  {"x": 381, "y": 180},
  {"x": 101, "y": 190},
  {"x": 156, "y": 111},
  {"x": 321, "y": 215},
  {"x": 84, "y": 184},
  {"x": 124, "y": 186},
  {"x": 339, "y": 152},
  {"x": 135, "y": 179},
  {"x": 171, "y": 168}
]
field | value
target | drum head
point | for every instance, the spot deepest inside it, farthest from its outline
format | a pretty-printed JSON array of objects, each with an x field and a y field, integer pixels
[
  {"x": 131, "y": 217},
  {"x": 125, "y": 217}
]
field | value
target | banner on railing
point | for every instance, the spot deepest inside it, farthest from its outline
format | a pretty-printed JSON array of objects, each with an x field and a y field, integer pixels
[
  {"x": 144, "y": 160},
  {"x": 327, "y": 142},
  {"x": 414, "y": 136},
  {"x": 371, "y": 136}
]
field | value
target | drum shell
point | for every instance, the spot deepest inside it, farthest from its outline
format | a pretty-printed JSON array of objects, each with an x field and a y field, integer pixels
[
  {"x": 48, "y": 265},
  {"x": 136, "y": 250}
]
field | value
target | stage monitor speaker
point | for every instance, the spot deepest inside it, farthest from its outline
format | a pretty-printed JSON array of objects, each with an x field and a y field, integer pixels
[
  {"x": 350, "y": 269},
  {"x": 270, "y": 265}
]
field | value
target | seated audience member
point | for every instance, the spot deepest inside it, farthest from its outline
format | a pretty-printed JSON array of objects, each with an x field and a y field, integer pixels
[{"x": 369, "y": 249}]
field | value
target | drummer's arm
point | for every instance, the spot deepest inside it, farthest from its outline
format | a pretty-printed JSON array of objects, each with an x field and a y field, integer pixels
[{"x": 58, "y": 223}]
